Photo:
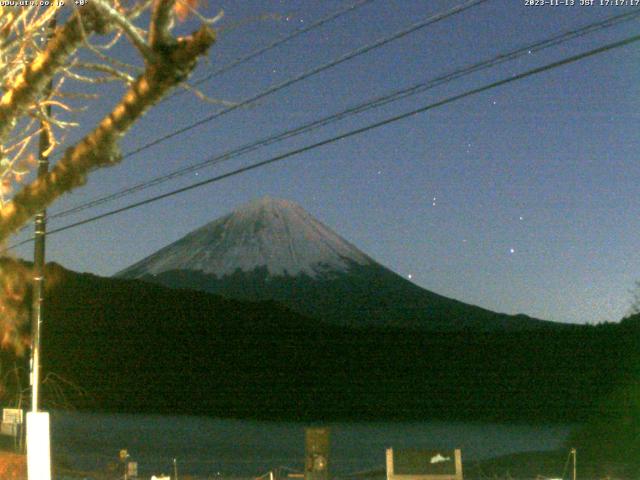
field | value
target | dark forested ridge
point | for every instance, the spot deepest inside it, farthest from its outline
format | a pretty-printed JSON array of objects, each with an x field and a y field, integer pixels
[
  {"x": 364, "y": 296},
  {"x": 272, "y": 249},
  {"x": 139, "y": 347}
]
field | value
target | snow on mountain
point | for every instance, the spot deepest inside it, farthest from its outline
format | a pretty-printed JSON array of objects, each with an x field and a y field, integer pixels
[
  {"x": 276, "y": 234},
  {"x": 274, "y": 250}
]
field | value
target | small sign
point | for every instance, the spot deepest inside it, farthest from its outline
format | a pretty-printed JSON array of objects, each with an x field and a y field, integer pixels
[
  {"x": 10, "y": 429},
  {"x": 12, "y": 415},
  {"x": 412, "y": 464},
  {"x": 424, "y": 462}
]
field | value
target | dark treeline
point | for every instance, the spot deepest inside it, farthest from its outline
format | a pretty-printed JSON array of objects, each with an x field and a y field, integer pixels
[{"x": 138, "y": 347}]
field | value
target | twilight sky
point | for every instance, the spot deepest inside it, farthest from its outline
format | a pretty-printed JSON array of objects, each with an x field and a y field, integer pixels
[{"x": 522, "y": 199}]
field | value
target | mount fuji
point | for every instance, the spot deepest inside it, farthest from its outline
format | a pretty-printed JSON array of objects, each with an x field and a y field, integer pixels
[{"x": 272, "y": 249}]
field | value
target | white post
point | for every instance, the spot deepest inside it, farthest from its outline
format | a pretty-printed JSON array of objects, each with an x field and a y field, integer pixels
[
  {"x": 38, "y": 448},
  {"x": 458, "y": 459}
]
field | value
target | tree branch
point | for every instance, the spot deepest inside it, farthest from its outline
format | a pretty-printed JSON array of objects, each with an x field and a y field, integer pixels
[
  {"x": 37, "y": 74},
  {"x": 159, "y": 33},
  {"x": 100, "y": 147},
  {"x": 130, "y": 30}
]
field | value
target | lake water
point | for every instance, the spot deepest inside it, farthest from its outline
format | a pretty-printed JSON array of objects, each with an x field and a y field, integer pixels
[{"x": 207, "y": 446}]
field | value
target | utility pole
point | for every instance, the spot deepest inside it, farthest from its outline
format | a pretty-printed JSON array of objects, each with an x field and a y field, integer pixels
[
  {"x": 38, "y": 272},
  {"x": 38, "y": 438},
  {"x": 40, "y": 223}
]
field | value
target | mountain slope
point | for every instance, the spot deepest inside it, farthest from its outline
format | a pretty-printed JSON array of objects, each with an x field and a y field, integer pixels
[
  {"x": 272, "y": 249},
  {"x": 275, "y": 234},
  {"x": 140, "y": 347}
]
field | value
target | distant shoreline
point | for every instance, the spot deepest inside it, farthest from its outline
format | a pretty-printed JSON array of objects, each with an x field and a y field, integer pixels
[{"x": 410, "y": 418}]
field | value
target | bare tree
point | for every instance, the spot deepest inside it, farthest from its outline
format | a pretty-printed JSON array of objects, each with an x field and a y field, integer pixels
[{"x": 42, "y": 62}]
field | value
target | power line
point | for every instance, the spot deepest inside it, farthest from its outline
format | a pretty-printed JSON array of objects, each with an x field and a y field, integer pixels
[
  {"x": 362, "y": 107},
  {"x": 348, "y": 56},
  {"x": 348, "y": 134},
  {"x": 309, "y": 73},
  {"x": 277, "y": 43},
  {"x": 239, "y": 61}
]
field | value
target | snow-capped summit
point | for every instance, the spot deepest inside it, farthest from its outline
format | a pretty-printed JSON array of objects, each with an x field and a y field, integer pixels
[
  {"x": 270, "y": 233},
  {"x": 272, "y": 249}
]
